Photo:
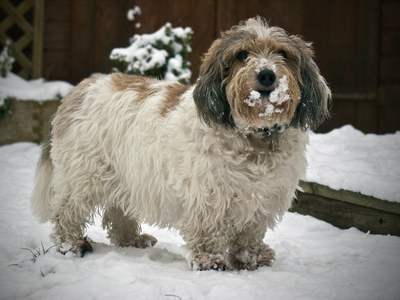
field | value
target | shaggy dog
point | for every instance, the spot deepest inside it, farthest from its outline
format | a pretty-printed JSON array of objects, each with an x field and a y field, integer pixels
[{"x": 219, "y": 160}]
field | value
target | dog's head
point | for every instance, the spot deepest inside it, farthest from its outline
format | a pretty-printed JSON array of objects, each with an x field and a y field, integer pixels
[{"x": 256, "y": 76}]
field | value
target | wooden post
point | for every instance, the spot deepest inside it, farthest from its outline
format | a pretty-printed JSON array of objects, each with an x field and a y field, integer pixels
[{"x": 37, "y": 55}]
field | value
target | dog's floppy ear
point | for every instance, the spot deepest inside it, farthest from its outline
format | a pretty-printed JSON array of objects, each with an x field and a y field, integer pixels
[
  {"x": 313, "y": 108},
  {"x": 209, "y": 93}
]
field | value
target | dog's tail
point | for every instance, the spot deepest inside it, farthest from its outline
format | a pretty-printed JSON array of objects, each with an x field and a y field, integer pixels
[{"x": 43, "y": 192}]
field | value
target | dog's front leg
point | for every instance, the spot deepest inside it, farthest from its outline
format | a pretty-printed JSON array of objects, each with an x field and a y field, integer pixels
[
  {"x": 209, "y": 249},
  {"x": 248, "y": 251}
]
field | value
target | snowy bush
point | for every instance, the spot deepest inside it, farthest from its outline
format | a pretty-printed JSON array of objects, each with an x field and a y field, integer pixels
[
  {"x": 6, "y": 59},
  {"x": 162, "y": 54},
  {"x": 5, "y": 106}
]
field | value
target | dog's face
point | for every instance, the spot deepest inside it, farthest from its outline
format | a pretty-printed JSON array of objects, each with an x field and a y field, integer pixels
[{"x": 256, "y": 76}]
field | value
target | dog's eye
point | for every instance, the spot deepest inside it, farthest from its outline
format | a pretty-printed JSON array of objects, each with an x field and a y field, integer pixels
[
  {"x": 283, "y": 54},
  {"x": 242, "y": 55}
]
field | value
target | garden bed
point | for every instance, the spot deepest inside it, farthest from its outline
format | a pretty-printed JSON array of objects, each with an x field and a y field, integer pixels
[
  {"x": 26, "y": 107},
  {"x": 26, "y": 121}
]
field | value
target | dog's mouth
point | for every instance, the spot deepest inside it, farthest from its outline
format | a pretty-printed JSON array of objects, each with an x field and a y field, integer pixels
[{"x": 264, "y": 93}]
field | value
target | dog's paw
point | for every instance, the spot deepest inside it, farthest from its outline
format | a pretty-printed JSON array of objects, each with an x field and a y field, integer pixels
[
  {"x": 80, "y": 247},
  {"x": 144, "y": 241},
  {"x": 245, "y": 259},
  {"x": 207, "y": 261},
  {"x": 265, "y": 257}
]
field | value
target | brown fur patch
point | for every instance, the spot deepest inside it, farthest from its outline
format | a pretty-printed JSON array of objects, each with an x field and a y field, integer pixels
[
  {"x": 173, "y": 96},
  {"x": 140, "y": 84},
  {"x": 70, "y": 104}
]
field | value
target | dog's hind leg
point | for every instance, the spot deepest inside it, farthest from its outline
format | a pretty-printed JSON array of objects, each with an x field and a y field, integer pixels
[
  {"x": 69, "y": 227},
  {"x": 124, "y": 231}
]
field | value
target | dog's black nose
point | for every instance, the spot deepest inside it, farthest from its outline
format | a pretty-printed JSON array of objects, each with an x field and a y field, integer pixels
[{"x": 266, "y": 77}]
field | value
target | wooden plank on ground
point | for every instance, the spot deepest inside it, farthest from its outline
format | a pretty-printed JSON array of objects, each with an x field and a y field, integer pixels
[
  {"x": 350, "y": 197},
  {"x": 345, "y": 214}
]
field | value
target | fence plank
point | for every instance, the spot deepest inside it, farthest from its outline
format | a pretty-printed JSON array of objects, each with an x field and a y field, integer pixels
[
  {"x": 109, "y": 19},
  {"x": 17, "y": 17},
  {"x": 82, "y": 39},
  {"x": 28, "y": 59},
  {"x": 37, "y": 55}
]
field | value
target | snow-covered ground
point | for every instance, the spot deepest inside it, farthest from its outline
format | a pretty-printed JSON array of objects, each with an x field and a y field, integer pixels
[
  {"x": 314, "y": 259},
  {"x": 346, "y": 158},
  {"x": 38, "y": 89}
]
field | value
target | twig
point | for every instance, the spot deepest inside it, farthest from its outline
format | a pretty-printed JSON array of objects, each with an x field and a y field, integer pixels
[{"x": 172, "y": 295}]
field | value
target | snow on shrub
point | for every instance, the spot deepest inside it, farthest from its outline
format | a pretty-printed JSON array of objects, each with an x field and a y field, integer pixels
[
  {"x": 162, "y": 54},
  {"x": 6, "y": 59},
  {"x": 133, "y": 12}
]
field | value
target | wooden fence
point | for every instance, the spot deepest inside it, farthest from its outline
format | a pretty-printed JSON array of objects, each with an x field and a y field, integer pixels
[
  {"x": 357, "y": 43},
  {"x": 21, "y": 22}
]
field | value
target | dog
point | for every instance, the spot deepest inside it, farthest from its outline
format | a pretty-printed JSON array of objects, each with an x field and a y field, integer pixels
[{"x": 219, "y": 160}]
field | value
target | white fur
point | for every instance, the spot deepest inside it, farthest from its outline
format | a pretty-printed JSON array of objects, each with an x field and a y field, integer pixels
[
  {"x": 124, "y": 145},
  {"x": 168, "y": 170},
  {"x": 42, "y": 194}
]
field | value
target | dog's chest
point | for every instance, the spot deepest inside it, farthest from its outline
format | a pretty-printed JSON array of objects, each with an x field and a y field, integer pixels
[{"x": 227, "y": 182}]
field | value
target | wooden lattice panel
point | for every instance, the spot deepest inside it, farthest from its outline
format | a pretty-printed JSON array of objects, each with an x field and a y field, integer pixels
[{"x": 21, "y": 21}]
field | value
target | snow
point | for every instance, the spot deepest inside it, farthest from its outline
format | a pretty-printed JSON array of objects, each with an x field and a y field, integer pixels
[
  {"x": 143, "y": 58},
  {"x": 346, "y": 158},
  {"x": 281, "y": 93},
  {"x": 133, "y": 12},
  {"x": 263, "y": 63},
  {"x": 253, "y": 99},
  {"x": 277, "y": 97},
  {"x": 175, "y": 66},
  {"x": 38, "y": 89},
  {"x": 269, "y": 109},
  {"x": 147, "y": 52},
  {"x": 314, "y": 260}
]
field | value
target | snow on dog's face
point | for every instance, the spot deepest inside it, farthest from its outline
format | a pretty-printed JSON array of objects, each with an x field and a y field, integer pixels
[{"x": 260, "y": 77}]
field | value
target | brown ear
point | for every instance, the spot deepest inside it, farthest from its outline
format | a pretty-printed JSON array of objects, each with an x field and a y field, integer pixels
[
  {"x": 209, "y": 93},
  {"x": 313, "y": 108}
]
